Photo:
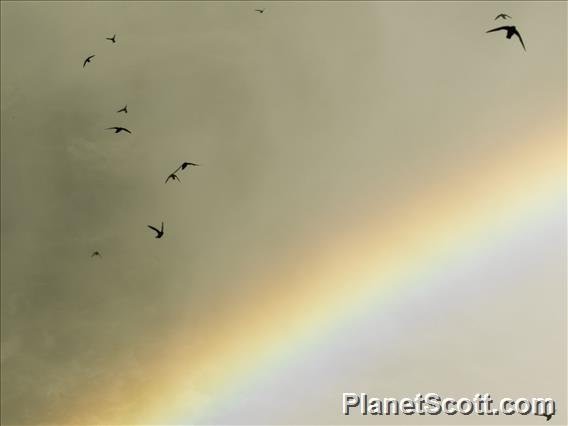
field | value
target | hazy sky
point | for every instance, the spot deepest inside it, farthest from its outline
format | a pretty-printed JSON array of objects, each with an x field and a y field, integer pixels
[{"x": 338, "y": 140}]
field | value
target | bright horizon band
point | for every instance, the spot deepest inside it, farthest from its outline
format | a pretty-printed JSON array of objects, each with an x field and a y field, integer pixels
[{"x": 433, "y": 404}]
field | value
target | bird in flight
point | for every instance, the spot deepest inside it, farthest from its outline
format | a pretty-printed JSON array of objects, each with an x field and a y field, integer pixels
[
  {"x": 183, "y": 166},
  {"x": 548, "y": 416},
  {"x": 88, "y": 60},
  {"x": 96, "y": 253},
  {"x": 259, "y": 10},
  {"x": 113, "y": 38},
  {"x": 124, "y": 110},
  {"x": 502, "y": 16},
  {"x": 159, "y": 232},
  {"x": 511, "y": 31},
  {"x": 186, "y": 164},
  {"x": 118, "y": 129},
  {"x": 173, "y": 176}
]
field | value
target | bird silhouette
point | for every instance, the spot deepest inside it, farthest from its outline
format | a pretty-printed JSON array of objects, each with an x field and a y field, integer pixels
[
  {"x": 159, "y": 232},
  {"x": 124, "y": 110},
  {"x": 118, "y": 129},
  {"x": 183, "y": 166},
  {"x": 186, "y": 164},
  {"x": 548, "y": 416},
  {"x": 113, "y": 38},
  {"x": 502, "y": 16},
  {"x": 173, "y": 176},
  {"x": 511, "y": 31},
  {"x": 96, "y": 253},
  {"x": 259, "y": 10},
  {"x": 88, "y": 60}
]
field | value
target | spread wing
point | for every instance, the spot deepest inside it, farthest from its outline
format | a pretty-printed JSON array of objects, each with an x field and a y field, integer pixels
[
  {"x": 154, "y": 229},
  {"x": 174, "y": 177},
  {"x": 184, "y": 165},
  {"x": 520, "y": 39},
  {"x": 126, "y": 130},
  {"x": 496, "y": 29},
  {"x": 87, "y": 60}
]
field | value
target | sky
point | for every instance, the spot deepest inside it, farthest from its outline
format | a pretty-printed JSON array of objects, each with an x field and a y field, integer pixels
[{"x": 380, "y": 207}]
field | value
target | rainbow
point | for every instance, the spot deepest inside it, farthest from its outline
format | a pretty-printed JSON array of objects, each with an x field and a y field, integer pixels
[{"x": 389, "y": 254}]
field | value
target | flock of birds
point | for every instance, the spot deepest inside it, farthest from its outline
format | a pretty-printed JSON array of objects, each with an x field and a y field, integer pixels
[
  {"x": 173, "y": 176},
  {"x": 117, "y": 129}
]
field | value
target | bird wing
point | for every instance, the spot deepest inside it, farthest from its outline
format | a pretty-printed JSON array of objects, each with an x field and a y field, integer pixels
[
  {"x": 507, "y": 16},
  {"x": 154, "y": 229},
  {"x": 111, "y": 128},
  {"x": 126, "y": 130},
  {"x": 520, "y": 39},
  {"x": 496, "y": 29},
  {"x": 184, "y": 165},
  {"x": 162, "y": 228}
]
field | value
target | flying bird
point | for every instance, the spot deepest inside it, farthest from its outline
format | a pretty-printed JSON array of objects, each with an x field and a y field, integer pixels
[
  {"x": 511, "y": 31},
  {"x": 259, "y": 10},
  {"x": 502, "y": 16},
  {"x": 173, "y": 176},
  {"x": 88, "y": 60},
  {"x": 184, "y": 165},
  {"x": 113, "y": 38},
  {"x": 159, "y": 232},
  {"x": 124, "y": 110},
  {"x": 96, "y": 253},
  {"x": 118, "y": 129},
  {"x": 548, "y": 416}
]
